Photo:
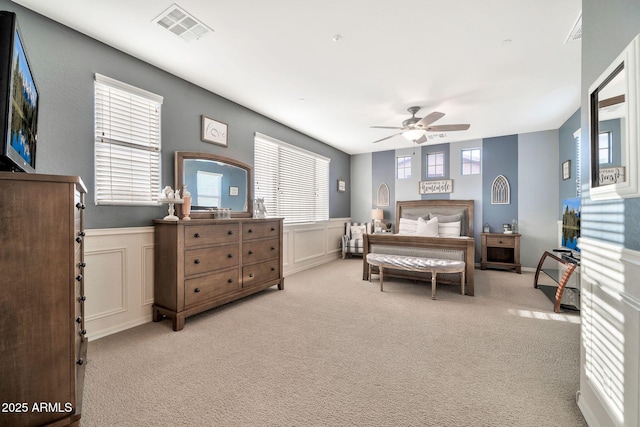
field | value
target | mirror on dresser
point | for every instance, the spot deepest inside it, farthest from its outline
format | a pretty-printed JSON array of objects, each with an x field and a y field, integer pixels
[{"x": 215, "y": 182}]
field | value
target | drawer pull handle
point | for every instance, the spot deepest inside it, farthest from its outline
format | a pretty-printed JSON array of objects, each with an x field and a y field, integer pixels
[
  {"x": 230, "y": 281},
  {"x": 273, "y": 269},
  {"x": 273, "y": 248},
  {"x": 79, "y": 277},
  {"x": 79, "y": 319},
  {"x": 250, "y": 230},
  {"x": 251, "y": 275},
  {"x": 82, "y": 265},
  {"x": 230, "y": 232},
  {"x": 500, "y": 241},
  {"x": 80, "y": 205},
  {"x": 197, "y": 235},
  {"x": 273, "y": 229},
  {"x": 196, "y": 290},
  {"x": 83, "y": 332},
  {"x": 83, "y": 298},
  {"x": 79, "y": 239},
  {"x": 80, "y": 362},
  {"x": 250, "y": 252},
  {"x": 229, "y": 255},
  {"x": 196, "y": 261},
  {"x": 82, "y": 234}
]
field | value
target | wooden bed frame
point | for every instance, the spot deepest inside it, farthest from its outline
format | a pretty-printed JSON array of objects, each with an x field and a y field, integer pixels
[{"x": 416, "y": 208}]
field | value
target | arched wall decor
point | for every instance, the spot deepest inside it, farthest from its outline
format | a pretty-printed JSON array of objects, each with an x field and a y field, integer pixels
[
  {"x": 382, "y": 198},
  {"x": 500, "y": 191}
]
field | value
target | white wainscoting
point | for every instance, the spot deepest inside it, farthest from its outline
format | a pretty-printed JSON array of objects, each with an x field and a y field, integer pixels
[
  {"x": 119, "y": 272},
  {"x": 610, "y": 335}
]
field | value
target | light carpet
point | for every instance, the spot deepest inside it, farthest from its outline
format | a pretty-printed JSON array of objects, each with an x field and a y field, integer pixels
[{"x": 332, "y": 350}]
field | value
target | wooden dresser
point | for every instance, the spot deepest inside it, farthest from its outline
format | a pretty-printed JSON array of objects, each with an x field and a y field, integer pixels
[
  {"x": 43, "y": 341},
  {"x": 201, "y": 264}
]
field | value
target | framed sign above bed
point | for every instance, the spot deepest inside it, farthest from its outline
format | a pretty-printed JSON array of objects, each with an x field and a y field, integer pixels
[{"x": 436, "y": 186}]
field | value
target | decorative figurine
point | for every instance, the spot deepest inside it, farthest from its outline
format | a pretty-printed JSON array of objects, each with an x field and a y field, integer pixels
[{"x": 260, "y": 209}]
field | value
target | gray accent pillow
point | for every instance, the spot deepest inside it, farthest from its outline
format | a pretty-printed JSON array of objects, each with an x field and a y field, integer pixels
[{"x": 446, "y": 218}]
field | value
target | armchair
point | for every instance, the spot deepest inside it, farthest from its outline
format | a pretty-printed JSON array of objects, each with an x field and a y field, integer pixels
[{"x": 353, "y": 238}]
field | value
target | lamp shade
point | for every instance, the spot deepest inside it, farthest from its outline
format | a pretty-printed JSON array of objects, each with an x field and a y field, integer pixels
[
  {"x": 377, "y": 214},
  {"x": 413, "y": 134}
]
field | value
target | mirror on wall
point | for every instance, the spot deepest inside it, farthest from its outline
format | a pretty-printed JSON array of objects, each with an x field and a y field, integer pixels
[
  {"x": 215, "y": 182},
  {"x": 613, "y": 126}
]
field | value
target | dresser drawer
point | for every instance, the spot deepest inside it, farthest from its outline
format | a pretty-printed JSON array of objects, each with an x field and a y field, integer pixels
[
  {"x": 200, "y": 289},
  {"x": 260, "y": 229},
  {"x": 259, "y": 273},
  {"x": 260, "y": 250},
  {"x": 211, "y": 234},
  {"x": 500, "y": 241},
  {"x": 208, "y": 259}
]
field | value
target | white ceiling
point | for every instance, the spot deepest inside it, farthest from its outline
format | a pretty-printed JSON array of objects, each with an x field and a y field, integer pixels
[{"x": 278, "y": 58}]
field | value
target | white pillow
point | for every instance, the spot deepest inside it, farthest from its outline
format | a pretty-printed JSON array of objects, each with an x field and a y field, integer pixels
[
  {"x": 357, "y": 231},
  {"x": 427, "y": 228},
  {"x": 407, "y": 226},
  {"x": 449, "y": 229}
]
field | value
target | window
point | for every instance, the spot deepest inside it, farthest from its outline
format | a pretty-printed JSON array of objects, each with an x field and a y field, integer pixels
[
  {"x": 404, "y": 167},
  {"x": 604, "y": 147},
  {"x": 209, "y": 188},
  {"x": 293, "y": 182},
  {"x": 470, "y": 162},
  {"x": 127, "y": 144},
  {"x": 435, "y": 165}
]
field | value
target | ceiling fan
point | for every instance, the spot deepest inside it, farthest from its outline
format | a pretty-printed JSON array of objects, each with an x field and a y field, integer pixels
[{"x": 415, "y": 128}]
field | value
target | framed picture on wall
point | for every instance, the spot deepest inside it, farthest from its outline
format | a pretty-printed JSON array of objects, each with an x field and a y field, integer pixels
[
  {"x": 566, "y": 169},
  {"x": 342, "y": 186},
  {"x": 213, "y": 131}
]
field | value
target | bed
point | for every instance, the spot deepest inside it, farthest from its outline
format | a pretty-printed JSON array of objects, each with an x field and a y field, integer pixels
[{"x": 461, "y": 247}]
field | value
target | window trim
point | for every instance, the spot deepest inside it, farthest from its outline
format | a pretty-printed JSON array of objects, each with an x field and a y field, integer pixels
[
  {"x": 126, "y": 143},
  {"x": 436, "y": 153},
  {"x": 462, "y": 161},
  {"x": 404, "y": 168},
  {"x": 279, "y": 206}
]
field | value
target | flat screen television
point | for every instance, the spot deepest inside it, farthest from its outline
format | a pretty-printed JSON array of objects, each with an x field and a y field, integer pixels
[
  {"x": 571, "y": 223},
  {"x": 18, "y": 100}
]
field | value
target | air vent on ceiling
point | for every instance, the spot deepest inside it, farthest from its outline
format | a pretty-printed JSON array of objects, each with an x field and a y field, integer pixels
[
  {"x": 576, "y": 32},
  {"x": 182, "y": 24},
  {"x": 436, "y": 136}
]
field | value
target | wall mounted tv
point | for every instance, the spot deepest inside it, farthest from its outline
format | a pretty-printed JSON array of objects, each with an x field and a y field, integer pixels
[
  {"x": 18, "y": 100},
  {"x": 571, "y": 223}
]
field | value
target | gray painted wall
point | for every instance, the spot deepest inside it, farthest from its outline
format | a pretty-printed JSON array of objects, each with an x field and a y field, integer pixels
[
  {"x": 499, "y": 157},
  {"x": 538, "y": 176},
  {"x": 64, "y": 62},
  {"x": 383, "y": 172},
  {"x": 612, "y": 25},
  {"x": 567, "y": 151}
]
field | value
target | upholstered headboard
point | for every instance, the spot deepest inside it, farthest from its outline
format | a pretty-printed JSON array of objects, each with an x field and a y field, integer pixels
[{"x": 413, "y": 209}]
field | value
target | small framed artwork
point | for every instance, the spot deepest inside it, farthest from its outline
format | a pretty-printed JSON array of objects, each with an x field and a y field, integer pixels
[
  {"x": 566, "y": 169},
  {"x": 342, "y": 186},
  {"x": 233, "y": 191},
  {"x": 213, "y": 131}
]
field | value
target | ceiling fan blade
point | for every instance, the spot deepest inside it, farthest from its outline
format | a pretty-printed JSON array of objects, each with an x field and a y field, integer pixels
[
  {"x": 447, "y": 128},
  {"x": 395, "y": 134},
  {"x": 385, "y": 127},
  {"x": 427, "y": 120},
  {"x": 422, "y": 139}
]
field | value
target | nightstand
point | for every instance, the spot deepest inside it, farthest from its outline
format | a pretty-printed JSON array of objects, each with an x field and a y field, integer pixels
[{"x": 501, "y": 250}]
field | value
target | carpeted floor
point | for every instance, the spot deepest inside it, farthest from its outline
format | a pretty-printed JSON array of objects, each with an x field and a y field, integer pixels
[{"x": 332, "y": 350}]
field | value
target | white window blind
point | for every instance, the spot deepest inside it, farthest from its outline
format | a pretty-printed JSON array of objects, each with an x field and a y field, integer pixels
[
  {"x": 127, "y": 144},
  {"x": 293, "y": 182}
]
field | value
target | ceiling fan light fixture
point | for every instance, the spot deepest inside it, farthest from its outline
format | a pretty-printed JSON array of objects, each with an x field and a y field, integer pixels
[{"x": 413, "y": 134}]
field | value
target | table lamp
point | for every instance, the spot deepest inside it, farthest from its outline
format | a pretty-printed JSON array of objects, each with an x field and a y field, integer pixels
[{"x": 376, "y": 216}]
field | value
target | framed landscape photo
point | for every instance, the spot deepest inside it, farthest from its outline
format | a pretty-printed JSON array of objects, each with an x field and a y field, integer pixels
[
  {"x": 213, "y": 131},
  {"x": 566, "y": 170}
]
